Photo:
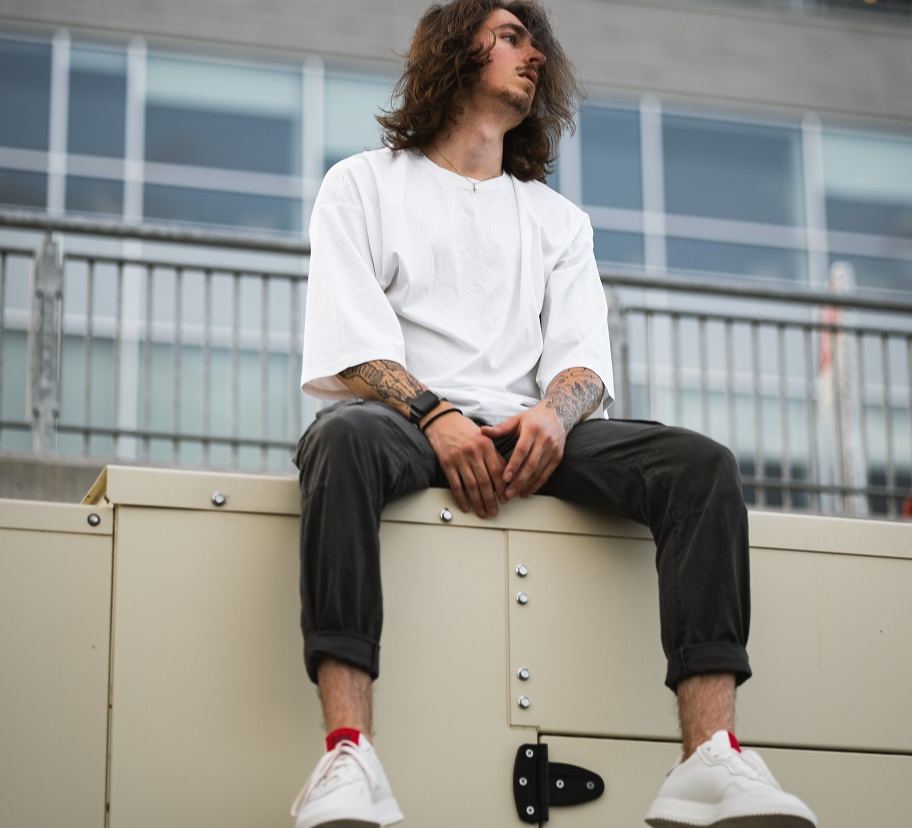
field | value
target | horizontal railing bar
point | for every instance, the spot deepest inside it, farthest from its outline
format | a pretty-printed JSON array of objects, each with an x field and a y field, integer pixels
[
  {"x": 170, "y": 233},
  {"x": 725, "y": 288},
  {"x": 170, "y": 436},
  {"x": 170, "y": 264},
  {"x": 817, "y": 325}
]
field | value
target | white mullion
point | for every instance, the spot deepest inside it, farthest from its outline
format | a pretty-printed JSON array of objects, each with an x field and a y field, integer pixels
[
  {"x": 313, "y": 132},
  {"x": 134, "y": 130},
  {"x": 814, "y": 200},
  {"x": 571, "y": 166},
  {"x": 57, "y": 127},
  {"x": 653, "y": 172}
]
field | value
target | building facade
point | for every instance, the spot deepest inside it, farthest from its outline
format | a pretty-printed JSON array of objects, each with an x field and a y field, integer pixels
[{"x": 754, "y": 143}]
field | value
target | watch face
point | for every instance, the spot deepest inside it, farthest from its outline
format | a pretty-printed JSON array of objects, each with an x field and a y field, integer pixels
[{"x": 422, "y": 405}]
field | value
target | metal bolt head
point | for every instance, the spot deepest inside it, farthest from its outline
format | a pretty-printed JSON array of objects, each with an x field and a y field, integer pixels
[
  {"x": 523, "y": 673},
  {"x": 93, "y": 519},
  {"x": 522, "y": 570},
  {"x": 446, "y": 515},
  {"x": 590, "y": 786},
  {"x": 530, "y": 810},
  {"x": 523, "y": 781},
  {"x": 524, "y": 702},
  {"x": 218, "y": 499},
  {"x": 560, "y": 784},
  {"x": 522, "y": 598},
  {"x": 529, "y": 753}
]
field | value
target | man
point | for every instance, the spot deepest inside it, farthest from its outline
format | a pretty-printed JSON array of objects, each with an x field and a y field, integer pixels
[{"x": 455, "y": 310}]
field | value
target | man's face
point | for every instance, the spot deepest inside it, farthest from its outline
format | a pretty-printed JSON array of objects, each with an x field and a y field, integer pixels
[{"x": 513, "y": 67}]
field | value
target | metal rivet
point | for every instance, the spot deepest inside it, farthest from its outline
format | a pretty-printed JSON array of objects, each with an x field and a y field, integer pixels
[
  {"x": 446, "y": 515},
  {"x": 524, "y": 703},
  {"x": 529, "y": 753},
  {"x": 590, "y": 786},
  {"x": 530, "y": 810},
  {"x": 93, "y": 519},
  {"x": 523, "y": 781},
  {"x": 523, "y": 673},
  {"x": 522, "y": 570},
  {"x": 522, "y": 598},
  {"x": 560, "y": 784},
  {"x": 218, "y": 499}
]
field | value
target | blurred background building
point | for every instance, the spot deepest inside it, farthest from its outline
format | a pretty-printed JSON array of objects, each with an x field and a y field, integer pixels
[{"x": 747, "y": 166}]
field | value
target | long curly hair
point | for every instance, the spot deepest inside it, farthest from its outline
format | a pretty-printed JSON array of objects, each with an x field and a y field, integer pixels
[{"x": 444, "y": 61}]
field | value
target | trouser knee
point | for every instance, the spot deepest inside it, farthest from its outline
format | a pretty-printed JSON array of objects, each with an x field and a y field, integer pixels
[
  {"x": 707, "y": 470},
  {"x": 339, "y": 438}
]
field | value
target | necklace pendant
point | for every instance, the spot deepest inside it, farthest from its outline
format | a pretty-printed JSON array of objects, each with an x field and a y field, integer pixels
[{"x": 474, "y": 187}]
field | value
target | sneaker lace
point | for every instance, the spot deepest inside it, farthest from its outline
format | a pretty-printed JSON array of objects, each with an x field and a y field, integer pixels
[{"x": 331, "y": 768}]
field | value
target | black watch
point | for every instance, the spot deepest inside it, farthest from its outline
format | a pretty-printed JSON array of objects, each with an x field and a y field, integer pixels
[{"x": 422, "y": 405}]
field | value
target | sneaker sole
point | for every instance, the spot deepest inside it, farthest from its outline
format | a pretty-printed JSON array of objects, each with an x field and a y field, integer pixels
[{"x": 766, "y": 821}]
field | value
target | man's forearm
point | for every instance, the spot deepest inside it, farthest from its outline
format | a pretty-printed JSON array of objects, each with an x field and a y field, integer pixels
[
  {"x": 574, "y": 394},
  {"x": 385, "y": 381}
]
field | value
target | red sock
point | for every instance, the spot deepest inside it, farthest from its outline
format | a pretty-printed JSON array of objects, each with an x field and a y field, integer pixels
[
  {"x": 343, "y": 734},
  {"x": 733, "y": 741}
]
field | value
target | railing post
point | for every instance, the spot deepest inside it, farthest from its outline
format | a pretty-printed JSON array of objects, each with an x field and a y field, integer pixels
[
  {"x": 47, "y": 328},
  {"x": 619, "y": 351}
]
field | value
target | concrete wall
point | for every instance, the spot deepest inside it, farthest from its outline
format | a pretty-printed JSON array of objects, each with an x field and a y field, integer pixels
[
  {"x": 844, "y": 65},
  {"x": 62, "y": 480}
]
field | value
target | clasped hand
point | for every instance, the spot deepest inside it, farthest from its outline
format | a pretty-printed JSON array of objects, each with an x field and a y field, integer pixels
[{"x": 477, "y": 473}]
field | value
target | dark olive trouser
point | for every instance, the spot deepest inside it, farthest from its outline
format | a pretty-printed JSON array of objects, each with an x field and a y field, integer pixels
[{"x": 359, "y": 456}]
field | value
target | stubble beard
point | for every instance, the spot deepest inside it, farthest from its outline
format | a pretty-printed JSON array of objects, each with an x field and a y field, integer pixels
[{"x": 517, "y": 103}]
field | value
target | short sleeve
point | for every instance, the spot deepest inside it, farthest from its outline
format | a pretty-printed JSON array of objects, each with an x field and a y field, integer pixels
[
  {"x": 347, "y": 318},
  {"x": 574, "y": 317}
]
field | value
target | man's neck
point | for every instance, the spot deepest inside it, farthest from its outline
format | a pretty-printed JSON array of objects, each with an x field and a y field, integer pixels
[
  {"x": 470, "y": 155},
  {"x": 472, "y": 150}
]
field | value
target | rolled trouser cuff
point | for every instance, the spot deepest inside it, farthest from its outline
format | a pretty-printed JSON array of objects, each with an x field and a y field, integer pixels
[
  {"x": 704, "y": 659},
  {"x": 351, "y": 649}
]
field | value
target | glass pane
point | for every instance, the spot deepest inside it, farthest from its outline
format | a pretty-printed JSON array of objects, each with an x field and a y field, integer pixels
[
  {"x": 94, "y": 195},
  {"x": 868, "y": 183},
  {"x": 740, "y": 172},
  {"x": 619, "y": 248},
  {"x": 610, "y": 141},
  {"x": 25, "y": 93},
  {"x": 23, "y": 189},
  {"x": 878, "y": 274},
  {"x": 351, "y": 103},
  {"x": 97, "y": 109},
  {"x": 221, "y": 208},
  {"x": 239, "y": 116},
  {"x": 737, "y": 260}
]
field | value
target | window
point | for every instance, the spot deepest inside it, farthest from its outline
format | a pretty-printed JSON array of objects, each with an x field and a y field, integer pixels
[
  {"x": 229, "y": 115},
  {"x": 23, "y": 189},
  {"x": 868, "y": 183},
  {"x": 737, "y": 259},
  {"x": 351, "y": 102},
  {"x": 724, "y": 170},
  {"x": 97, "y": 105},
  {"x": 166, "y": 203},
  {"x": 25, "y": 93},
  {"x": 611, "y": 158}
]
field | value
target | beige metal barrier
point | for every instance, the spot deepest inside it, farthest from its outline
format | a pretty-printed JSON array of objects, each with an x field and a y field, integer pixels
[{"x": 190, "y": 582}]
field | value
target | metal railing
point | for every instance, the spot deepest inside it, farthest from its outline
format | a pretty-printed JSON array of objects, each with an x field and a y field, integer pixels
[{"x": 181, "y": 347}]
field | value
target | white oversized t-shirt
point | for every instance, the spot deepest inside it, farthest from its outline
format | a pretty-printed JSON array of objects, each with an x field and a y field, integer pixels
[{"x": 484, "y": 296}]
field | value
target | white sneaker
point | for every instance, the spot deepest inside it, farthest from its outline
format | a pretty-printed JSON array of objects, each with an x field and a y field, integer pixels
[
  {"x": 348, "y": 789},
  {"x": 721, "y": 786}
]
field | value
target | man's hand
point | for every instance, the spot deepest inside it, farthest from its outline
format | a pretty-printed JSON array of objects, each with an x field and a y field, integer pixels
[
  {"x": 540, "y": 438},
  {"x": 541, "y": 432},
  {"x": 473, "y": 467}
]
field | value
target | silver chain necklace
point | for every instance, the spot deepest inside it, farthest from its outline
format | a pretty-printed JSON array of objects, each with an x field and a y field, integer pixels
[{"x": 473, "y": 181}]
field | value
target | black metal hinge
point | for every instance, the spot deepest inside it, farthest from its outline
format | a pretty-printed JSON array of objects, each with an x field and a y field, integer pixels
[{"x": 539, "y": 784}]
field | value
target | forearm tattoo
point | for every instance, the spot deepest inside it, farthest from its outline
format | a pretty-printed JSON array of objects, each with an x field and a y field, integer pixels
[
  {"x": 383, "y": 380},
  {"x": 574, "y": 394}
]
